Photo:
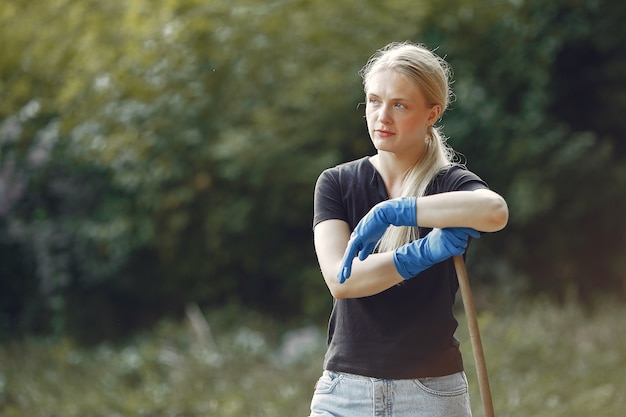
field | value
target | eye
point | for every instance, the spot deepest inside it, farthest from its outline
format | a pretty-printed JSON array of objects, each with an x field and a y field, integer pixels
[
  {"x": 372, "y": 100},
  {"x": 399, "y": 106}
]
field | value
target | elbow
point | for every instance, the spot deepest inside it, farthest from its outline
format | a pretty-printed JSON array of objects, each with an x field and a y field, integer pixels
[
  {"x": 331, "y": 279},
  {"x": 337, "y": 290},
  {"x": 498, "y": 214},
  {"x": 339, "y": 295},
  {"x": 491, "y": 213}
]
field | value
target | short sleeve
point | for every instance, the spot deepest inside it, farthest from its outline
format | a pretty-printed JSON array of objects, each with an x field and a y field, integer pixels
[
  {"x": 456, "y": 178},
  {"x": 327, "y": 200}
]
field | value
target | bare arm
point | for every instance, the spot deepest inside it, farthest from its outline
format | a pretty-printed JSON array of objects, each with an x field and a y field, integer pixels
[
  {"x": 482, "y": 210},
  {"x": 371, "y": 276}
]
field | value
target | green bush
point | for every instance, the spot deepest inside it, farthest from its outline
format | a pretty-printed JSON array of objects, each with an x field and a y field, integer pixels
[
  {"x": 543, "y": 360},
  {"x": 160, "y": 155}
]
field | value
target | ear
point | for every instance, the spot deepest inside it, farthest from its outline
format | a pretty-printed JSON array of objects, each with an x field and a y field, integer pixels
[{"x": 435, "y": 113}]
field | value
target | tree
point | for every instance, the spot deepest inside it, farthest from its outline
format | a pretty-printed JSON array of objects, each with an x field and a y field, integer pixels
[
  {"x": 158, "y": 155},
  {"x": 530, "y": 114}
]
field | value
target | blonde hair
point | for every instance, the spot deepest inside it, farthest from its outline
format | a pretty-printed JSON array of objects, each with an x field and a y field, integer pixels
[{"x": 433, "y": 75}]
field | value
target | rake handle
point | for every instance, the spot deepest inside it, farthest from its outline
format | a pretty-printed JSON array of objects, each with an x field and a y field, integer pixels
[{"x": 474, "y": 333}]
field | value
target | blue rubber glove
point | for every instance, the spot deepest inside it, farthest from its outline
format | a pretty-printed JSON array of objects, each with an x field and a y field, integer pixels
[
  {"x": 435, "y": 247},
  {"x": 398, "y": 212}
]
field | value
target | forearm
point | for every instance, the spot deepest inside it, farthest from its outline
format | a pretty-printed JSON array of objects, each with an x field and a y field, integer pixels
[
  {"x": 374, "y": 275},
  {"x": 482, "y": 210},
  {"x": 381, "y": 271},
  {"x": 371, "y": 276}
]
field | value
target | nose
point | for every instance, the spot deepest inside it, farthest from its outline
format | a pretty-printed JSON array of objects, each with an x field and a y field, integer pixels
[{"x": 384, "y": 114}]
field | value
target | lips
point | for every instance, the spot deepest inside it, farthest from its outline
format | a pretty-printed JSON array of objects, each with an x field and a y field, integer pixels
[{"x": 384, "y": 133}]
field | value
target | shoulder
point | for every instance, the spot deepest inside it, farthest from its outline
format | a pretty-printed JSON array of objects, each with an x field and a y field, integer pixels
[
  {"x": 348, "y": 173},
  {"x": 347, "y": 191},
  {"x": 352, "y": 168},
  {"x": 456, "y": 178}
]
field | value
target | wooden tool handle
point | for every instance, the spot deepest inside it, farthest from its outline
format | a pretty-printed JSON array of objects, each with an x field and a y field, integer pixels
[{"x": 474, "y": 333}]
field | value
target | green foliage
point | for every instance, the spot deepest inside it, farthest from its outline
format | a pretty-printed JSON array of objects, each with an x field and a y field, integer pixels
[
  {"x": 529, "y": 117},
  {"x": 545, "y": 360},
  {"x": 542, "y": 360},
  {"x": 156, "y": 155},
  {"x": 171, "y": 371},
  {"x": 207, "y": 142}
]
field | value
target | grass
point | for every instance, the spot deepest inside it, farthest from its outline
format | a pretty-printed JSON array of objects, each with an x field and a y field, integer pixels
[
  {"x": 543, "y": 360},
  {"x": 553, "y": 361}
]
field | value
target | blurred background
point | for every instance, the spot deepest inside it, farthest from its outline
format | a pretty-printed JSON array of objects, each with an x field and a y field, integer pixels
[{"x": 157, "y": 165}]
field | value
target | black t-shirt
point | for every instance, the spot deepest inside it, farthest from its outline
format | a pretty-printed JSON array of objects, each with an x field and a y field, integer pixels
[{"x": 406, "y": 331}]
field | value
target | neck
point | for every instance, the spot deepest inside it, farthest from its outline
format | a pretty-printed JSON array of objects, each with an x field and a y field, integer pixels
[{"x": 392, "y": 169}]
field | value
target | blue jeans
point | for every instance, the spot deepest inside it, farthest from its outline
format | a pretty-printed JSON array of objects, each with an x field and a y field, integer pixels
[{"x": 346, "y": 395}]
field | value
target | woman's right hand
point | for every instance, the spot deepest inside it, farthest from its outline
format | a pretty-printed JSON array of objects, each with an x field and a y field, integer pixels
[{"x": 398, "y": 212}]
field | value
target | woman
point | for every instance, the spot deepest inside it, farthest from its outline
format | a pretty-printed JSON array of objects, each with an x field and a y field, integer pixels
[{"x": 391, "y": 346}]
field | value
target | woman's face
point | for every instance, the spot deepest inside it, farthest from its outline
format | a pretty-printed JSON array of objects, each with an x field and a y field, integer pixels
[{"x": 397, "y": 114}]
